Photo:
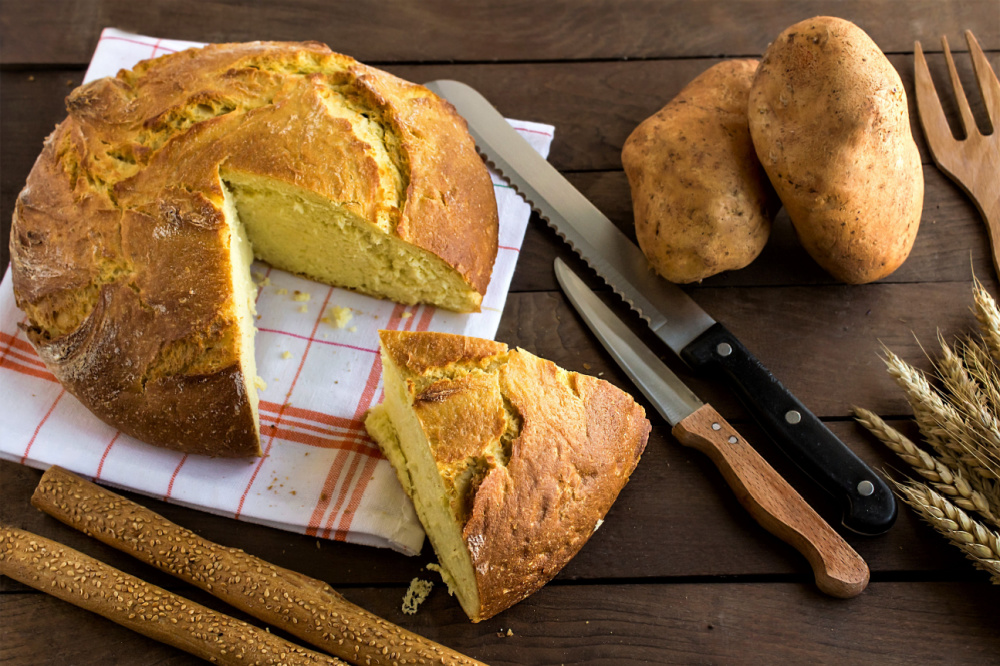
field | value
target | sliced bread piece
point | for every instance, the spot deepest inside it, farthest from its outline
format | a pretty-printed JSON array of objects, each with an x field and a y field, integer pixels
[{"x": 511, "y": 461}]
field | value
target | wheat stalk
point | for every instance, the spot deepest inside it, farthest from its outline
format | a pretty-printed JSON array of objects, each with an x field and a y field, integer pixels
[
  {"x": 983, "y": 369},
  {"x": 939, "y": 422},
  {"x": 981, "y": 436},
  {"x": 989, "y": 318},
  {"x": 956, "y": 377},
  {"x": 947, "y": 482},
  {"x": 979, "y": 543},
  {"x": 960, "y": 423}
]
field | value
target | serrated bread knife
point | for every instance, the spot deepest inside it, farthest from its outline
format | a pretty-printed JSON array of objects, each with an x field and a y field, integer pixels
[
  {"x": 839, "y": 570},
  {"x": 868, "y": 504}
]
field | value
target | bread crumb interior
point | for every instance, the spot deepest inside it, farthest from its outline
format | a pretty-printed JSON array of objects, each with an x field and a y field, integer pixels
[
  {"x": 300, "y": 232},
  {"x": 399, "y": 433},
  {"x": 445, "y": 430},
  {"x": 244, "y": 301}
]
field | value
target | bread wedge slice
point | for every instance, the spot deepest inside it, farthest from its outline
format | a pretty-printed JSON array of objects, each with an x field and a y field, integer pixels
[{"x": 511, "y": 461}]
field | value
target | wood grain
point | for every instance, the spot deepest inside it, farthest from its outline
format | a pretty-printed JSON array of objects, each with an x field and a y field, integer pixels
[
  {"x": 481, "y": 31},
  {"x": 973, "y": 159},
  {"x": 678, "y": 573},
  {"x": 823, "y": 343},
  {"x": 700, "y": 529},
  {"x": 639, "y": 623},
  {"x": 839, "y": 570}
]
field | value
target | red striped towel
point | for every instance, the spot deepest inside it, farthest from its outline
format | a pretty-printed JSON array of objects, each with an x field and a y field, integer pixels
[{"x": 321, "y": 474}]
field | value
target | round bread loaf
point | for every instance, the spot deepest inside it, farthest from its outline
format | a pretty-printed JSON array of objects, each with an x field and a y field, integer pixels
[{"x": 131, "y": 242}]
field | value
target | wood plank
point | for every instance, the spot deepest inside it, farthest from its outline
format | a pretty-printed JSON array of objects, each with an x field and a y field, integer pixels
[
  {"x": 590, "y": 132},
  {"x": 675, "y": 519},
  {"x": 951, "y": 236},
  {"x": 569, "y": 95},
  {"x": 598, "y": 624},
  {"x": 823, "y": 343},
  {"x": 951, "y": 245},
  {"x": 66, "y": 31}
]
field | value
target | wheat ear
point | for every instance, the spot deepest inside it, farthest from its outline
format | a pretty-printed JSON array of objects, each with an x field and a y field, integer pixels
[
  {"x": 983, "y": 369},
  {"x": 979, "y": 543},
  {"x": 982, "y": 433},
  {"x": 943, "y": 428},
  {"x": 989, "y": 318},
  {"x": 951, "y": 484},
  {"x": 936, "y": 418}
]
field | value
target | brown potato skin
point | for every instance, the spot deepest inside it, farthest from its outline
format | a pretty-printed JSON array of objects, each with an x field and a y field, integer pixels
[
  {"x": 702, "y": 202},
  {"x": 829, "y": 120}
]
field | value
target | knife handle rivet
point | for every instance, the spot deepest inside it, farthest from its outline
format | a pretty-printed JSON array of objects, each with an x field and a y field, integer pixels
[
  {"x": 724, "y": 349},
  {"x": 866, "y": 488},
  {"x": 793, "y": 416},
  {"x": 733, "y": 439},
  {"x": 716, "y": 426}
]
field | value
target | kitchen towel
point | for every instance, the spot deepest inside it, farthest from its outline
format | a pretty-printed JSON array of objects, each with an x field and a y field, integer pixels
[{"x": 317, "y": 351}]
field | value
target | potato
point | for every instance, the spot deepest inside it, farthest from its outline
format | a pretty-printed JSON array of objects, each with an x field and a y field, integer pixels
[
  {"x": 829, "y": 121},
  {"x": 701, "y": 201}
]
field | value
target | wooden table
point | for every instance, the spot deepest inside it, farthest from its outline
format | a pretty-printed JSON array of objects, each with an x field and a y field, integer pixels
[{"x": 679, "y": 572}]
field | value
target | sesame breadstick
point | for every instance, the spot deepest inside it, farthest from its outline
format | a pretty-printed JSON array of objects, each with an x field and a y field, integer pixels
[
  {"x": 81, "y": 580},
  {"x": 305, "y": 607}
]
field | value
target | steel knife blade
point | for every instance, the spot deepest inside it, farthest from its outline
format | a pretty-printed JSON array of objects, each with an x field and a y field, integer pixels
[
  {"x": 867, "y": 502},
  {"x": 838, "y": 568}
]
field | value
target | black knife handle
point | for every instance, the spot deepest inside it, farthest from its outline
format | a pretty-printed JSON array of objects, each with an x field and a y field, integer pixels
[{"x": 868, "y": 503}]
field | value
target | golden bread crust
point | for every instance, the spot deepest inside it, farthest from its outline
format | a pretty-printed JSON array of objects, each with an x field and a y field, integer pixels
[
  {"x": 120, "y": 247},
  {"x": 538, "y": 494},
  {"x": 579, "y": 443},
  {"x": 420, "y": 352}
]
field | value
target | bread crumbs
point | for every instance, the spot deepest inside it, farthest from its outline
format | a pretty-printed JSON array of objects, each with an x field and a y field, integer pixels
[
  {"x": 301, "y": 296},
  {"x": 338, "y": 317},
  {"x": 416, "y": 594},
  {"x": 286, "y": 355},
  {"x": 303, "y": 308},
  {"x": 407, "y": 315},
  {"x": 281, "y": 292}
]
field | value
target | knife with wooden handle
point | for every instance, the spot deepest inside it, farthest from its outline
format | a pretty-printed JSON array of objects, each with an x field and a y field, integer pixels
[
  {"x": 839, "y": 570},
  {"x": 703, "y": 343}
]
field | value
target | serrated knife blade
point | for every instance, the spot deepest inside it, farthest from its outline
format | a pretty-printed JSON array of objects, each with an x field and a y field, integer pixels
[
  {"x": 672, "y": 314},
  {"x": 868, "y": 504}
]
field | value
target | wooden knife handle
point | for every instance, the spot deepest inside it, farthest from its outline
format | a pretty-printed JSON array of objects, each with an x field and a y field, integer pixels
[{"x": 839, "y": 570}]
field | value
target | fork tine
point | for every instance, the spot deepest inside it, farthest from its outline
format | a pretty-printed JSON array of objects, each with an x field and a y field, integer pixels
[
  {"x": 989, "y": 86},
  {"x": 936, "y": 129},
  {"x": 968, "y": 121}
]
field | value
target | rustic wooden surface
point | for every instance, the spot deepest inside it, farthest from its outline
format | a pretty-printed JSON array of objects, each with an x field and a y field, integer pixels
[{"x": 679, "y": 572}]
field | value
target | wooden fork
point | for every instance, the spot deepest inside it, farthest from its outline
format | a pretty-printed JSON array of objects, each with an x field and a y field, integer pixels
[{"x": 972, "y": 162}]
